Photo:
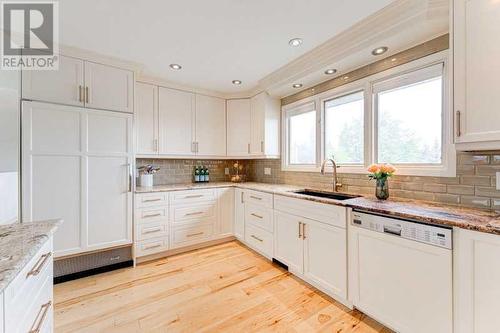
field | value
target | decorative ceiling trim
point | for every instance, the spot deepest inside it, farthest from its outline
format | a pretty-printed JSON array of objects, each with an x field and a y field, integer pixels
[{"x": 430, "y": 47}]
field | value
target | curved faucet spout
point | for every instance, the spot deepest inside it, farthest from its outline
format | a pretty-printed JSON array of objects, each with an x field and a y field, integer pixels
[{"x": 336, "y": 185}]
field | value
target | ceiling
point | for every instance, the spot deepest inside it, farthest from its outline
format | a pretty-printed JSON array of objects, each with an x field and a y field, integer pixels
[{"x": 215, "y": 41}]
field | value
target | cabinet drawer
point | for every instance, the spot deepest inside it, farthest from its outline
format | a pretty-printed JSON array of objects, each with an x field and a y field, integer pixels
[
  {"x": 189, "y": 196},
  {"x": 191, "y": 212},
  {"x": 192, "y": 235},
  {"x": 326, "y": 213},
  {"x": 151, "y": 246},
  {"x": 151, "y": 199},
  {"x": 259, "y": 216},
  {"x": 151, "y": 230},
  {"x": 259, "y": 198},
  {"x": 259, "y": 240},
  {"x": 151, "y": 214}
]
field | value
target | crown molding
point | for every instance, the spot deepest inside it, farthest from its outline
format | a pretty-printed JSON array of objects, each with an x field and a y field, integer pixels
[{"x": 394, "y": 18}]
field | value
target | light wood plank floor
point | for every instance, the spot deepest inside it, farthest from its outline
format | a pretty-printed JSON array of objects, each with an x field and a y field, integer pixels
[{"x": 224, "y": 288}]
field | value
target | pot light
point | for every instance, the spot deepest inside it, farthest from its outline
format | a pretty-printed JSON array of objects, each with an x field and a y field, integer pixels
[
  {"x": 236, "y": 82},
  {"x": 297, "y": 85},
  {"x": 380, "y": 50},
  {"x": 175, "y": 66},
  {"x": 330, "y": 71},
  {"x": 295, "y": 42}
]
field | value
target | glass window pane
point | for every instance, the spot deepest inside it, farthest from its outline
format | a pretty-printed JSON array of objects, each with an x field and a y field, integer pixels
[
  {"x": 410, "y": 123},
  {"x": 302, "y": 138},
  {"x": 344, "y": 129}
]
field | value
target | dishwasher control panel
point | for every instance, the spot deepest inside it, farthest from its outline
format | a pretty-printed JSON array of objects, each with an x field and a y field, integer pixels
[{"x": 424, "y": 233}]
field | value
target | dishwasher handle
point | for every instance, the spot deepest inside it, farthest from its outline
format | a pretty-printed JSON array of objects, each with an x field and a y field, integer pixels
[{"x": 393, "y": 230}]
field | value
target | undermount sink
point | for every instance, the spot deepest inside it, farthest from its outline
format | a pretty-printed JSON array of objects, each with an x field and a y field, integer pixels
[{"x": 325, "y": 194}]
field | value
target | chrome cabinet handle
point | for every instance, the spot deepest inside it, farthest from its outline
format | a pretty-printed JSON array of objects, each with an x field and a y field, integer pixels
[
  {"x": 242, "y": 201},
  {"x": 152, "y": 230},
  {"x": 248, "y": 148},
  {"x": 195, "y": 213},
  {"x": 256, "y": 198},
  {"x": 80, "y": 93},
  {"x": 42, "y": 261},
  {"x": 303, "y": 231},
  {"x": 257, "y": 216},
  {"x": 152, "y": 247},
  {"x": 195, "y": 234},
  {"x": 87, "y": 98},
  {"x": 300, "y": 230},
  {"x": 129, "y": 177},
  {"x": 262, "y": 146},
  {"x": 193, "y": 196},
  {"x": 152, "y": 215},
  {"x": 257, "y": 238},
  {"x": 151, "y": 200},
  {"x": 459, "y": 125},
  {"x": 42, "y": 314}
]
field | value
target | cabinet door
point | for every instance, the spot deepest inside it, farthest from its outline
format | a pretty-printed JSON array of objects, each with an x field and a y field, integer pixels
[
  {"x": 239, "y": 214},
  {"x": 238, "y": 127},
  {"x": 476, "y": 276},
  {"x": 109, "y": 187},
  {"x": 176, "y": 122},
  {"x": 210, "y": 126},
  {"x": 63, "y": 86},
  {"x": 257, "y": 119},
  {"x": 477, "y": 70},
  {"x": 226, "y": 211},
  {"x": 325, "y": 257},
  {"x": 288, "y": 244},
  {"x": 108, "y": 88},
  {"x": 146, "y": 119}
]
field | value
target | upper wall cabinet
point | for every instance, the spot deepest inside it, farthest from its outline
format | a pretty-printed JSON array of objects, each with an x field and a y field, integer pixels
[
  {"x": 476, "y": 74},
  {"x": 146, "y": 118},
  {"x": 210, "y": 126},
  {"x": 238, "y": 127},
  {"x": 81, "y": 83}
]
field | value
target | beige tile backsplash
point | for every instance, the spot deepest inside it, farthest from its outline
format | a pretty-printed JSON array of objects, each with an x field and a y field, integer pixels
[{"x": 474, "y": 185}]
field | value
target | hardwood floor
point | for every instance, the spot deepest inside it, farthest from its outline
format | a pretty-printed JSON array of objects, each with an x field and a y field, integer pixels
[{"x": 224, "y": 288}]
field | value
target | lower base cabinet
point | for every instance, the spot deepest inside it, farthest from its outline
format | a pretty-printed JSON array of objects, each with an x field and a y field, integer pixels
[
  {"x": 476, "y": 282},
  {"x": 239, "y": 214}
]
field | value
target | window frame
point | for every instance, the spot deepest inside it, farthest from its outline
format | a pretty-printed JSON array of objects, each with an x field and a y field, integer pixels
[{"x": 448, "y": 166}]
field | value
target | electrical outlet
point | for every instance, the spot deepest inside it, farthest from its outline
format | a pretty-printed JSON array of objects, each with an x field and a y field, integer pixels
[
  {"x": 267, "y": 171},
  {"x": 226, "y": 171},
  {"x": 498, "y": 180}
]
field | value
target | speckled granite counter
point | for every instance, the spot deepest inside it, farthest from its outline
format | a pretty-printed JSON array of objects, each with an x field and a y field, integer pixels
[
  {"x": 18, "y": 244},
  {"x": 435, "y": 213}
]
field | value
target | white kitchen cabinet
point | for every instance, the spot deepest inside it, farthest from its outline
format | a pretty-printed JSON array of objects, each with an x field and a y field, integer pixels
[
  {"x": 176, "y": 122},
  {"x": 476, "y": 274},
  {"x": 108, "y": 87},
  {"x": 265, "y": 126},
  {"x": 288, "y": 243},
  {"x": 210, "y": 126},
  {"x": 146, "y": 119},
  {"x": 226, "y": 211},
  {"x": 77, "y": 166},
  {"x": 64, "y": 86},
  {"x": 476, "y": 74},
  {"x": 238, "y": 127},
  {"x": 82, "y": 83},
  {"x": 239, "y": 214},
  {"x": 2, "y": 322}
]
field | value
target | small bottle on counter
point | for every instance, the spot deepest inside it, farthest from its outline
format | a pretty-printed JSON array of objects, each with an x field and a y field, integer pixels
[
  {"x": 202, "y": 173},
  {"x": 197, "y": 174},
  {"x": 207, "y": 175}
]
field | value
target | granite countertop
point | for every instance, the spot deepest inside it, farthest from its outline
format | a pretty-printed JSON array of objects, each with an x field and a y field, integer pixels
[
  {"x": 18, "y": 244},
  {"x": 434, "y": 213}
]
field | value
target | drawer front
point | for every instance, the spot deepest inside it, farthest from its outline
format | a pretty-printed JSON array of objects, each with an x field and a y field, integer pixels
[
  {"x": 326, "y": 213},
  {"x": 192, "y": 235},
  {"x": 36, "y": 317},
  {"x": 259, "y": 216},
  {"x": 259, "y": 240},
  {"x": 21, "y": 291},
  {"x": 258, "y": 198},
  {"x": 151, "y": 246},
  {"x": 151, "y": 214},
  {"x": 151, "y": 230},
  {"x": 193, "y": 212},
  {"x": 190, "y": 196},
  {"x": 151, "y": 199}
]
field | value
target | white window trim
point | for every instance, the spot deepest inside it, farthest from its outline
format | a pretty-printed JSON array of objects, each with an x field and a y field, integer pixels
[{"x": 446, "y": 169}]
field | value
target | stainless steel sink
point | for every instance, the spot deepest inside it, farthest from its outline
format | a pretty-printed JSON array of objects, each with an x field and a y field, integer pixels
[{"x": 328, "y": 195}]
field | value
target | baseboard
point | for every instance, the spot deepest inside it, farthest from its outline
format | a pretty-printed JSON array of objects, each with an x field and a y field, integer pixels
[{"x": 93, "y": 271}]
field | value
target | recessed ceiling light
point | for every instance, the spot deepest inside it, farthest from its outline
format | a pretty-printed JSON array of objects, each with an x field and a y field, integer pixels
[
  {"x": 330, "y": 71},
  {"x": 380, "y": 50},
  {"x": 295, "y": 42},
  {"x": 175, "y": 66},
  {"x": 236, "y": 82},
  {"x": 297, "y": 85}
]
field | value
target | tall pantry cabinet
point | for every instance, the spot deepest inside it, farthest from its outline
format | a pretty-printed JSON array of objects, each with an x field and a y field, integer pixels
[{"x": 77, "y": 153}]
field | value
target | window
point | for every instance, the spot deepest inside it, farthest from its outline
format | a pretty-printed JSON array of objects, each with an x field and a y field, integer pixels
[
  {"x": 344, "y": 128},
  {"x": 409, "y": 111},
  {"x": 302, "y": 135}
]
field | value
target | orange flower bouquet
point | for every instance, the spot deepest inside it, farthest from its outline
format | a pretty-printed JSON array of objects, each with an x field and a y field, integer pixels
[{"x": 381, "y": 173}]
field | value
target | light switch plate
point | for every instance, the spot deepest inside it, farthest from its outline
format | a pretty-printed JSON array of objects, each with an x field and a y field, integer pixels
[
  {"x": 226, "y": 171},
  {"x": 498, "y": 180},
  {"x": 267, "y": 171}
]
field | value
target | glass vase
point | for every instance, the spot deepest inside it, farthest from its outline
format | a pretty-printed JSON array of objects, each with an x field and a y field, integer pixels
[{"x": 382, "y": 189}]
